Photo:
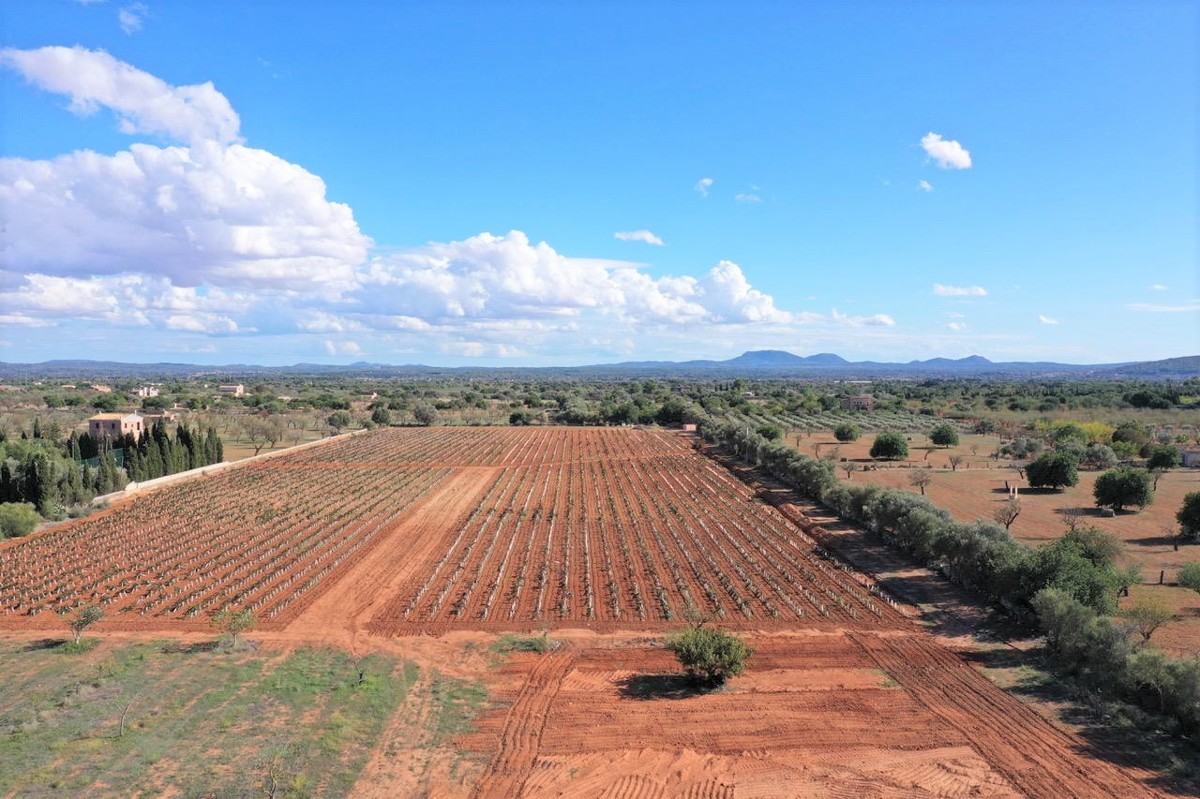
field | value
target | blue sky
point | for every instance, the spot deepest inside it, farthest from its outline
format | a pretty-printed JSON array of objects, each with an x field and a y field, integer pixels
[{"x": 536, "y": 183}]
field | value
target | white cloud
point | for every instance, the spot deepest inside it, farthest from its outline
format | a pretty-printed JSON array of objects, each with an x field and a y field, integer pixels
[
  {"x": 1187, "y": 307},
  {"x": 925, "y": 186},
  {"x": 508, "y": 277},
  {"x": 143, "y": 103},
  {"x": 131, "y": 17},
  {"x": 342, "y": 347},
  {"x": 875, "y": 320},
  {"x": 1046, "y": 320},
  {"x": 1158, "y": 287},
  {"x": 940, "y": 290},
  {"x": 957, "y": 327},
  {"x": 747, "y": 198},
  {"x": 702, "y": 186},
  {"x": 639, "y": 235},
  {"x": 955, "y": 315},
  {"x": 948, "y": 153}
]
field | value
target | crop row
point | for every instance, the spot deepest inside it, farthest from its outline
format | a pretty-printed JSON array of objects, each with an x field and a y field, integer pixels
[
  {"x": 257, "y": 537},
  {"x": 644, "y": 539}
]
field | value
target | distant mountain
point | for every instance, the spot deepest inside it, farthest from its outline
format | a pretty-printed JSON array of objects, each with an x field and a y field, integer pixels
[{"x": 756, "y": 363}]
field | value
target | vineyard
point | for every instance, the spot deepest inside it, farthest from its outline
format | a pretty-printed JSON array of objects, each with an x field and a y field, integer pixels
[
  {"x": 574, "y": 526},
  {"x": 878, "y": 420},
  {"x": 596, "y": 527}
]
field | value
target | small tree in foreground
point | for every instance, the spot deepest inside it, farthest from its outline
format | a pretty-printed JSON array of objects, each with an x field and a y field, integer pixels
[
  {"x": 232, "y": 624},
  {"x": 709, "y": 655},
  {"x": 83, "y": 618},
  {"x": 1008, "y": 512},
  {"x": 922, "y": 479},
  {"x": 1146, "y": 615}
]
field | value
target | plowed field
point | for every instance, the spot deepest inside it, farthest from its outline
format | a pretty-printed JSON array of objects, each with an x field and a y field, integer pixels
[{"x": 603, "y": 535}]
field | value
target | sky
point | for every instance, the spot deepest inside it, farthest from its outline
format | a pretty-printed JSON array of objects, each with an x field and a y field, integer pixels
[{"x": 517, "y": 183}]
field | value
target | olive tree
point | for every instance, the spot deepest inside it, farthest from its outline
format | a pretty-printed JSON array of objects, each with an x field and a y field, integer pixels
[
  {"x": 710, "y": 656},
  {"x": 1122, "y": 487},
  {"x": 83, "y": 618},
  {"x": 1189, "y": 515},
  {"x": 1053, "y": 470},
  {"x": 847, "y": 431},
  {"x": 944, "y": 435},
  {"x": 890, "y": 447}
]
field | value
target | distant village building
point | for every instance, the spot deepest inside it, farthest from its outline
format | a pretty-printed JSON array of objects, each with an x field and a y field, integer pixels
[
  {"x": 859, "y": 402},
  {"x": 1191, "y": 458},
  {"x": 146, "y": 391},
  {"x": 236, "y": 391},
  {"x": 100, "y": 388},
  {"x": 114, "y": 425},
  {"x": 152, "y": 415}
]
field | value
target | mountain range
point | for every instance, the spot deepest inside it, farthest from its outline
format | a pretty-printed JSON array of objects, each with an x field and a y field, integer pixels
[{"x": 756, "y": 363}]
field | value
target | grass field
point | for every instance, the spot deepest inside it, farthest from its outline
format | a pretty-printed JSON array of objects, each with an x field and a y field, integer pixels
[{"x": 154, "y": 719}]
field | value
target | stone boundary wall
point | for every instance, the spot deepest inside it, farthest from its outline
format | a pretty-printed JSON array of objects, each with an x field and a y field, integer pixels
[{"x": 215, "y": 468}]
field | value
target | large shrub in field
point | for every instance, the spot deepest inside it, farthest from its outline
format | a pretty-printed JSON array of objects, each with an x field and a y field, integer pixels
[
  {"x": 847, "y": 431},
  {"x": 944, "y": 435},
  {"x": 1189, "y": 515},
  {"x": 1053, "y": 470},
  {"x": 709, "y": 656},
  {"x": 890, "y": 447},
  {"x": 1120, "y": 488},
  {"x": 17, "y": 519}
]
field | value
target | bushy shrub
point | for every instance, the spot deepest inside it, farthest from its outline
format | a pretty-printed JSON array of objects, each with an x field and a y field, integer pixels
[
  {"x": 1053, "y": 470},
  {"x": 890, "y": 446},
  {"x": 709, "y": 655}
]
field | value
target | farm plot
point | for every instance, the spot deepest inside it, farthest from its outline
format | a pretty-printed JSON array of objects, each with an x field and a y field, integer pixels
[
  {"x": 609, "y": 527},
  {"x": 267, "y": 537}
]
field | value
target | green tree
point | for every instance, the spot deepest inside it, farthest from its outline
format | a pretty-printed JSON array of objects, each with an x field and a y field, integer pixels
[
  {"x": 1053, "y": 470},
  {"x": 1164, "y": 457},
  {"x": 771, "y": 432},
  {"x": 944, "y": 435},
  {"x": 1146, "y": 615},
  {"x": 83, "y": 618},
  {"x": 847, "y": 431},
  {"x": 520, "y": 418},
  {"x": 1189, "y": 515},
  {"x": 1119, "y": 488},
  {"x": 381, "y": 416},
  {"x": 890, "y": 447},
  {"x": 339, "y": 420},
  {"x": 709, "y": 656},
  {"x": 425, "y": 414},
  {"x": 232, "y": 624},
  {"x": 1189, "y": 576},
  {"x": 17, "y": 519}
]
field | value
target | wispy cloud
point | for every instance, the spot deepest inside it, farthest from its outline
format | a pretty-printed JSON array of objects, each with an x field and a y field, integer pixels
[
  {"x": 957, "y": 327},
  {"x": 131, "y": 17},
  {"x": 925, "y": 186},
  {"x": 702, "y": 186},
  {"x": 1046, "y": 320},
  {"x": 1194, "y": 305},
  {"x": 1157, "y": 287},
  {"x": 947, "y": 153},
  {"x": 747, "y": 198},
  {"x": 639, "y": 235},
  {"x": 941, "y": 290}
]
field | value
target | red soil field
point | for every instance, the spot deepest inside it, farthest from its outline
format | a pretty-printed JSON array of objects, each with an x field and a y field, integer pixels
[{"x": 602, "y": 534}]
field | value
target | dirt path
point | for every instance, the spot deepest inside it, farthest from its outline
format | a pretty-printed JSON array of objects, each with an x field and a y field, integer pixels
[
  {"x": 343, "y": 611},
  {"x": 1035, "y": 756},
  {"x": 521, "y": 737}
]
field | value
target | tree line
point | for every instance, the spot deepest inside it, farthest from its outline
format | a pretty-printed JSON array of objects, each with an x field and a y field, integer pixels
[{"x": 1068, "y": 587}]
